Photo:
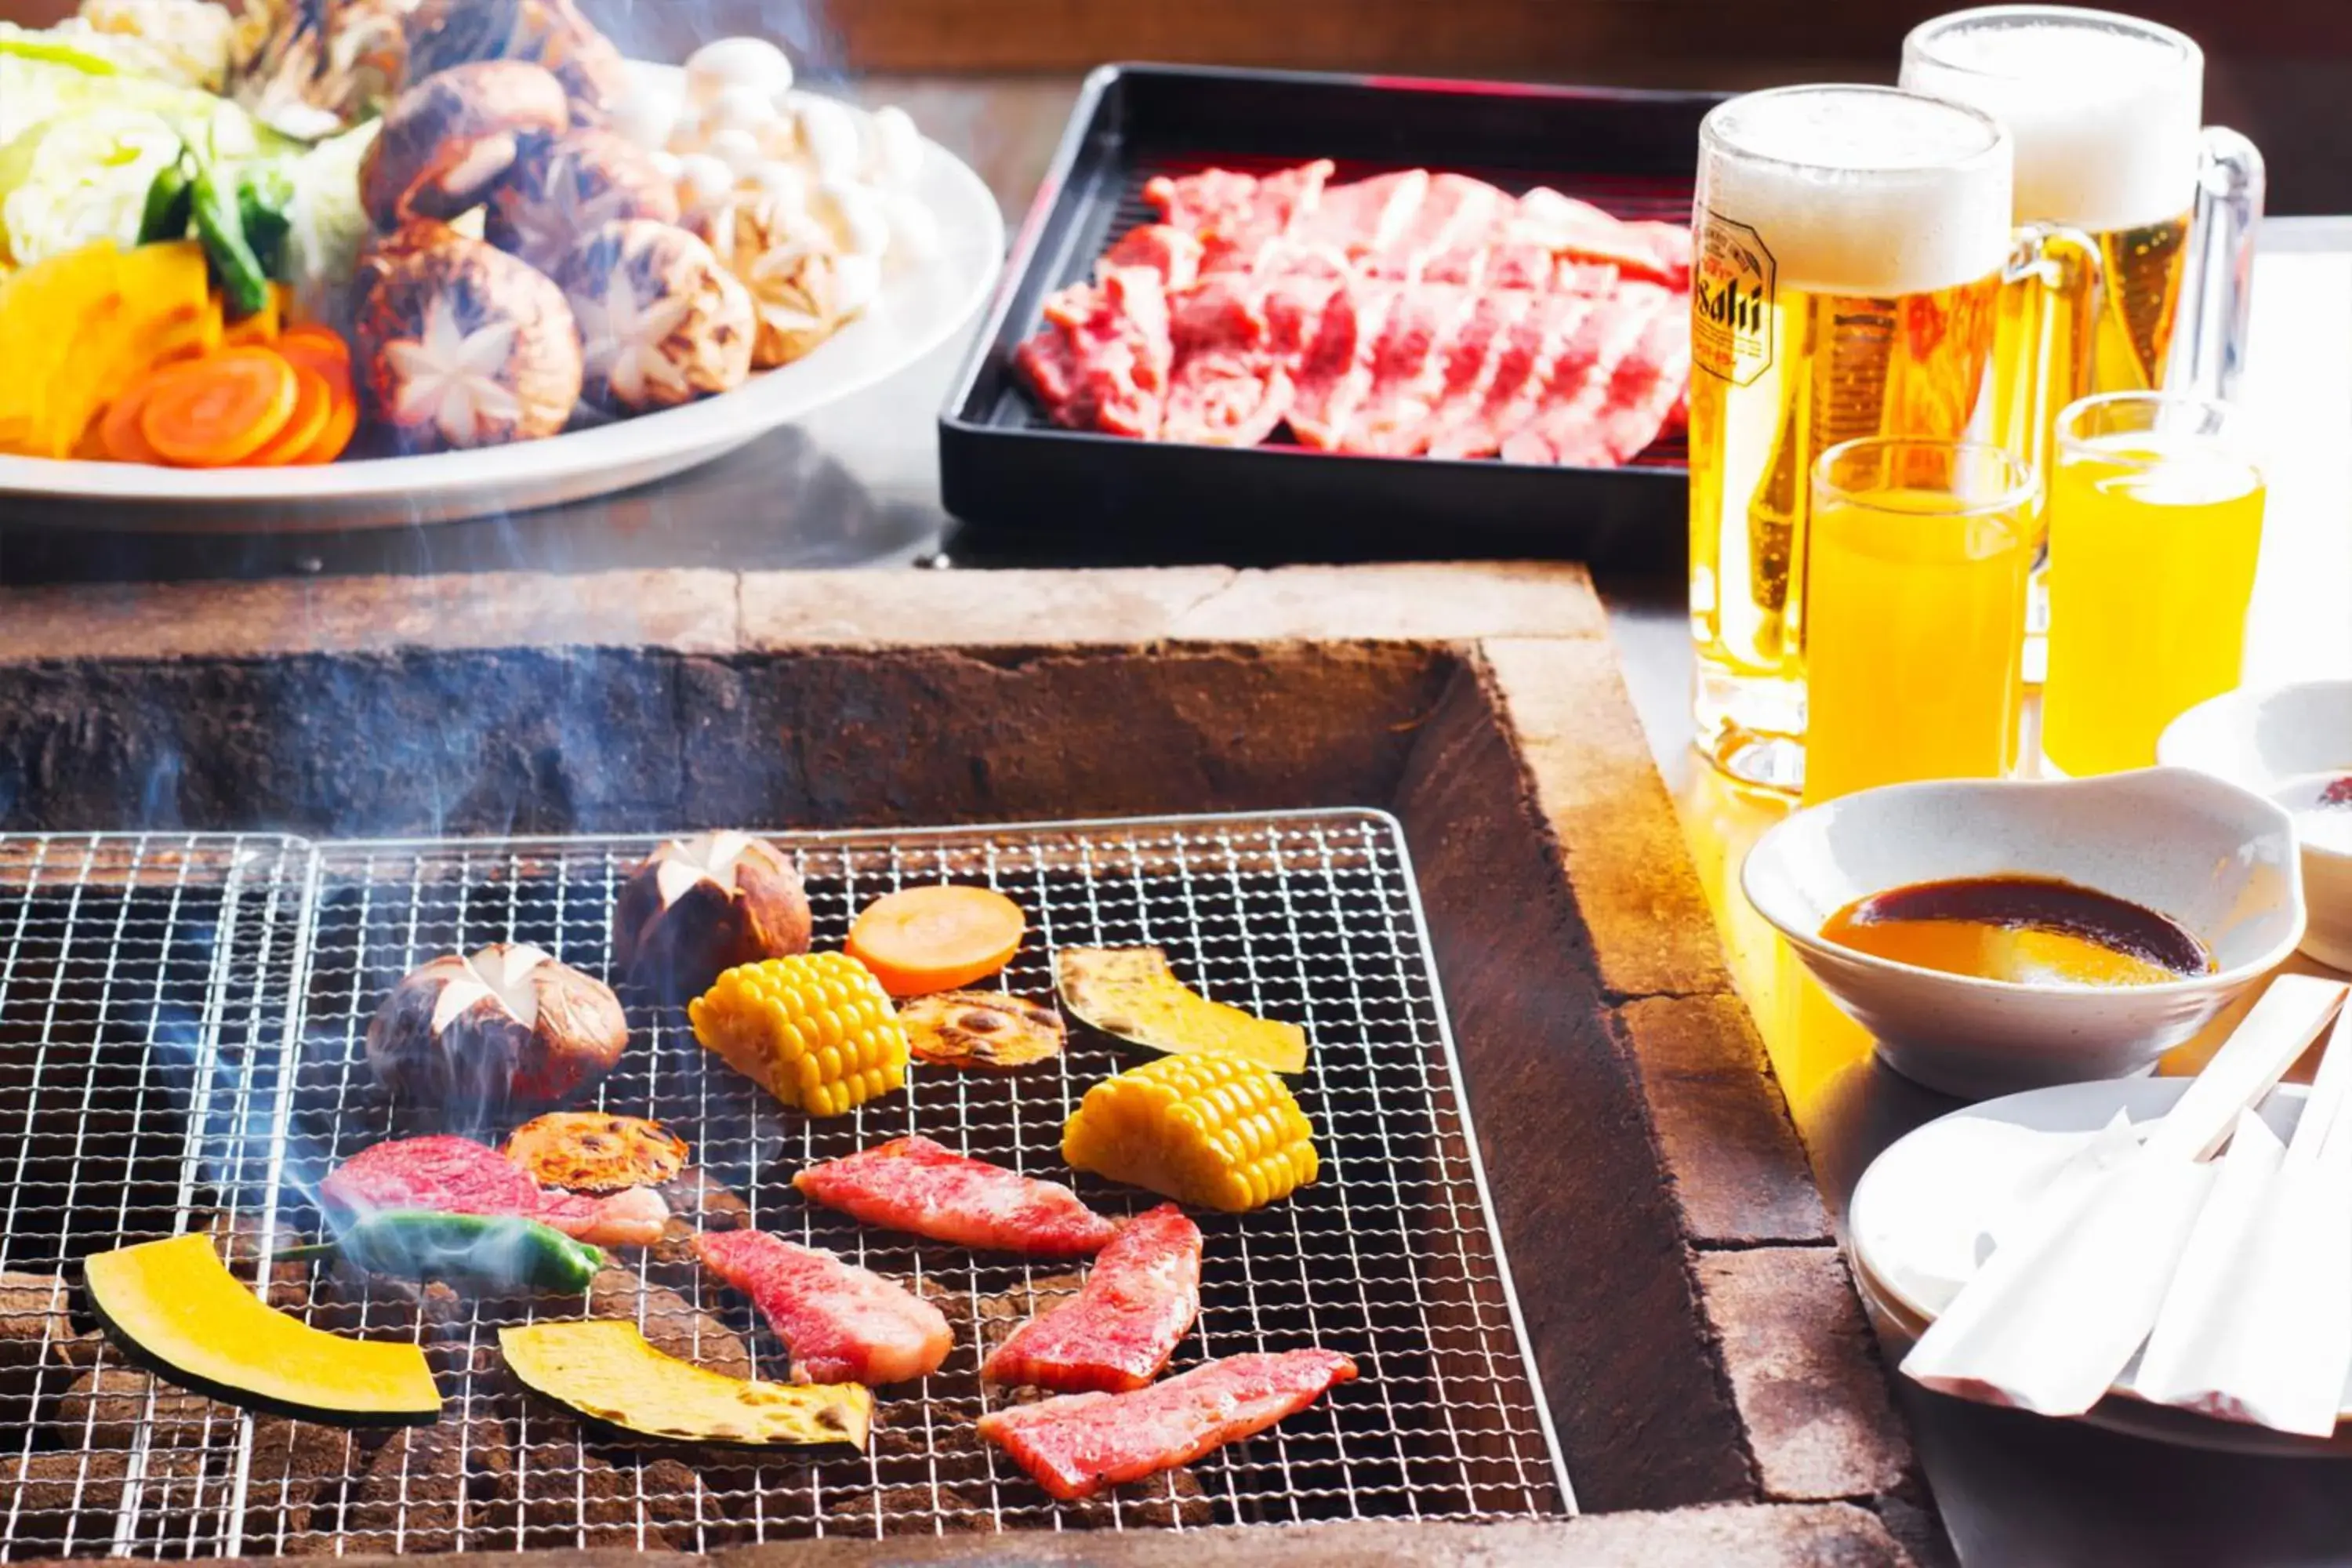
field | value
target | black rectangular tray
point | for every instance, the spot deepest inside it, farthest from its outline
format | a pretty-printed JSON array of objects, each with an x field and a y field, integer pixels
[{"x": 1004, "y": 467}]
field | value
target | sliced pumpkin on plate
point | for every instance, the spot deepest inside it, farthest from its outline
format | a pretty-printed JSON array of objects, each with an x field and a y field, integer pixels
[
  {"x": 1130, "y": 991},
  {"x": 604, "y": 1369},
  {"x": 174, "y": 1306}
]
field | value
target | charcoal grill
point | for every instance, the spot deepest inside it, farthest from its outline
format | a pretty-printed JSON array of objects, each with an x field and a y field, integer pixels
[{"x": 181, "y": 1029}]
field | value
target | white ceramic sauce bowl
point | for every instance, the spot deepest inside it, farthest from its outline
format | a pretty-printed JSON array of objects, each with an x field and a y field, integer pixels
[
  {"x": 2288, "y": 743},
  {"x": 2217, "y": 858}
]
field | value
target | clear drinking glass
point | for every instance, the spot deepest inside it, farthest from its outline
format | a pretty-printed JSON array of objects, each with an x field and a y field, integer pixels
[
  {"x": 2155, "y": 520},
  {"x": 1854, "y": 256},
  {"x": 1920, "y": 551}
]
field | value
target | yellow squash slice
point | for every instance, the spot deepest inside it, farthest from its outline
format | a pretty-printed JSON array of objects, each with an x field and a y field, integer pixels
[
  {"x": 1132, "y": 992},
  {"x": 604, "y": 1368},
  {"x": 176, "y": 1306}
]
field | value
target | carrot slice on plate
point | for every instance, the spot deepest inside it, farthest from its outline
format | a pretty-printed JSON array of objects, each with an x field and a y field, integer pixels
[
  {"x": 923, "y": 940},
  {"x": 118, "y": 429},
  {"x": 342, "y": 423},
  {"x": 318, "y": 350},
  {"x": 314, "y": 403},
  {"x": 315, "y": 340},
  {"x": 216, "y": 412}
]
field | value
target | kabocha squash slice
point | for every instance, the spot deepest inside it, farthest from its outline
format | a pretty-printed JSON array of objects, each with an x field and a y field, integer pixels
[
  {"x": 1130, "y": 993},
  {"x": 604, "y": 1369},
  {"x": 174, "y": 1306}
]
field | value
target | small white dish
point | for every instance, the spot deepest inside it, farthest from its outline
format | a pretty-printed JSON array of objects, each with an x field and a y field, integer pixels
[
  {"x": 2290, "y": 743},
  {"x": 1928, "y": 1196},
  {"x": 2214, "y": 858},
  {"x": 2260, "y": 737},
  {"x": 2321, "y": 806}
]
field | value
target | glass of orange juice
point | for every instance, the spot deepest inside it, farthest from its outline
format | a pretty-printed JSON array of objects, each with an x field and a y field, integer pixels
[
  {"x": 1917, "y": 624},
  {"x": 2156, "y": 518}
]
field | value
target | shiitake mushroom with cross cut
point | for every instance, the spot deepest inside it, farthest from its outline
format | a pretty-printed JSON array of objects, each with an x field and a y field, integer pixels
[
  {"x": 568, "y": 187},
  {"x": 458, "y": 344},
  {"x": 450, "y": 138},
  {"x": 697, "y": 906},
  {"x": 506, "y": 1027}
]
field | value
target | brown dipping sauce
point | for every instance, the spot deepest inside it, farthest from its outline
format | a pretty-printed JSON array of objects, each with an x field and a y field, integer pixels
[{"x": 2023, "y": 930}]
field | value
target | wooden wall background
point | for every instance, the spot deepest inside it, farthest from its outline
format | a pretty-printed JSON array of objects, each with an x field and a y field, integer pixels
[{"x": 2279, "y": 69}]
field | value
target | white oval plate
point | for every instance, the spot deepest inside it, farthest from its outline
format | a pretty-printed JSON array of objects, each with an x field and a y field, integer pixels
[
  {"x": 919, "y": 306},
  {"x": 1919, "y": 1162}
]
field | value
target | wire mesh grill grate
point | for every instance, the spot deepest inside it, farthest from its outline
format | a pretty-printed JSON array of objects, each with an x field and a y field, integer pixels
[{"x": 253, "y": 966}]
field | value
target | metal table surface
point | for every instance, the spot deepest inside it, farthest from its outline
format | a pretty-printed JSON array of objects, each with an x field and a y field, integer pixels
[{"x": 857, "y": 485}]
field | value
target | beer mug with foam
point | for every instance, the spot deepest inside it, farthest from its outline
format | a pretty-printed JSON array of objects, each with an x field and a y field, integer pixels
[
  {"x": 1855, "y": 273},
  {"x": 2104, "y": 110}
]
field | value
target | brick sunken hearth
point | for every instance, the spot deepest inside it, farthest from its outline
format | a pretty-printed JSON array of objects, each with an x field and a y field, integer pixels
[{"x": 1699, "y": 1344}]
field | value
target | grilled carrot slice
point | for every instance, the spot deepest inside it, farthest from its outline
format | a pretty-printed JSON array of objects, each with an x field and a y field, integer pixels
[
  {"x": 219, "y": 411},
  {"x": 923, "y": 940}
]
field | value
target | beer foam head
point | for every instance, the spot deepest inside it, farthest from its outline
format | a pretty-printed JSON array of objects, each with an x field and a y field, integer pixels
[
  {"x": 1861, "y": 190},
  {"x": 2105, "y": 109}
]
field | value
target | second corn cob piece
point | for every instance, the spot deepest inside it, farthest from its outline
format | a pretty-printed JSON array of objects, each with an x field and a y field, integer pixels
[
  {"x": 815, "y": 1030},
  {"x": 1206, "y": 1129}
]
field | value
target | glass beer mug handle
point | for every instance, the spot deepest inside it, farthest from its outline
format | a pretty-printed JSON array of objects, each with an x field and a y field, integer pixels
[
  {"x": 2210, "y": 350},
  {"x": 2050, "y": 291}
]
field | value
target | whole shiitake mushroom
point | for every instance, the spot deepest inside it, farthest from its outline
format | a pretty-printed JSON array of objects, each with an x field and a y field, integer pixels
[
  {"x": 552, "y": 34},
  {"x": 453, "y": 136},
  {"x": 661, "y": 322},
  {"x": 571, "y": 185},
  {"x": 461, "y": 345},
  {"x": 508, "y": 1026},
  {"x": 697, "y": 906}
]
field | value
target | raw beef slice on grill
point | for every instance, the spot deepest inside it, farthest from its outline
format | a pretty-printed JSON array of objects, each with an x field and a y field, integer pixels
[{"x": 1524, "y": 369}]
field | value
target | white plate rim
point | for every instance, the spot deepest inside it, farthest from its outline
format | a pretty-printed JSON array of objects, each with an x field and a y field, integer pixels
[
  {"x": 965, "y": 273},
  {"x": 2124, "y": 1409}
]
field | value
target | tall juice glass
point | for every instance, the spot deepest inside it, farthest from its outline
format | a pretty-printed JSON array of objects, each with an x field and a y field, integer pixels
[
  {"x": 1920, "y": 551},
  {"x": 2155, "y": 520}
]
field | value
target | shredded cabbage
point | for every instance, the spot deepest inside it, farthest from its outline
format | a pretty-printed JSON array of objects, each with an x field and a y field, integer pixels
[
  {"x": 327, "y": 225},
  {"x": 79, "y": 178}
]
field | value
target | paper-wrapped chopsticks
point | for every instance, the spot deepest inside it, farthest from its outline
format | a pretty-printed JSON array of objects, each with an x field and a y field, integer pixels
[
  {"x": 2258, "y": 1323},
  {"x": 2058, "y": 1310}
]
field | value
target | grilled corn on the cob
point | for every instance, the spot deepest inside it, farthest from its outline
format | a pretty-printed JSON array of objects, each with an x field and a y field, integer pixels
[
  {"x": 817, "y": 1031},
  {"x": 1206, "y": 1129}
]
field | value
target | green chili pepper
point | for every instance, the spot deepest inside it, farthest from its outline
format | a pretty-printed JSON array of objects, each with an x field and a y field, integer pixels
[
  {"x": 242, "y": 278},
  {"x": 498, "y": 1249},
  {"x": 262, "y": 197},
  {"x": 165, "y": 215}
]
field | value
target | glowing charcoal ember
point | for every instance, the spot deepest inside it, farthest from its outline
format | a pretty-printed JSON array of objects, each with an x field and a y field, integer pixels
[
  {"x": 1080, "y": 1443},
  {"x": 914, "y": 1185},
  {"x": 1117, "y": 1334},
  {"x": 842, "y": 1324}
]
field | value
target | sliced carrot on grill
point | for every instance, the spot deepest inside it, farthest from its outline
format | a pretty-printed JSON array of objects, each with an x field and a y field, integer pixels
[{"x": 923, "y": 940}]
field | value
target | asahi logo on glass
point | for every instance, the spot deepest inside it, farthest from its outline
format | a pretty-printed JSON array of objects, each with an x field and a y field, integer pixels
[{"x": 1731, "y": 296}]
